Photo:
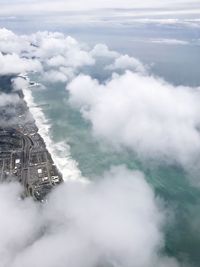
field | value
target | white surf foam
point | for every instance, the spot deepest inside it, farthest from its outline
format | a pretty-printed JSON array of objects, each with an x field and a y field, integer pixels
[{"x": 60, "y": 152}]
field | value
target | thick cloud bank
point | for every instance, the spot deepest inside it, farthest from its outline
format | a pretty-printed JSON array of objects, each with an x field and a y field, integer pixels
[
  {"x": 142, "y": 113},
  {"x": 13, "y": 64},
  {"x": 56, "y": 57},
  {"x": 116, "y": 221}
]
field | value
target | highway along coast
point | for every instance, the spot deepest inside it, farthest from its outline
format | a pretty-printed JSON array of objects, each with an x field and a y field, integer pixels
[{"x": 23, "y": 153}]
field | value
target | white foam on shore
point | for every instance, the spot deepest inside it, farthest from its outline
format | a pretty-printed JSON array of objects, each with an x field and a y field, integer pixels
[{"x": 60, "y": 152}]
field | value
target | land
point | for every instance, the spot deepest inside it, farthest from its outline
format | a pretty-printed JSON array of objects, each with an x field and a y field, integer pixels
[{"x": 23, "y": 153}]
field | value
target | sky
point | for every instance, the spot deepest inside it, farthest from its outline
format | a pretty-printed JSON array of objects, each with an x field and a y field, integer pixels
[{"x": 35, "y": 7}]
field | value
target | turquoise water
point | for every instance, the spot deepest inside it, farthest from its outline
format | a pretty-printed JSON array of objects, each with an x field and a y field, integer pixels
[{"x": 170, "y": 182}]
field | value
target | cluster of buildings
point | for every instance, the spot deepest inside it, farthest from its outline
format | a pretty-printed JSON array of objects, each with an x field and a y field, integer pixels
[{"x": 23, "y": 153}]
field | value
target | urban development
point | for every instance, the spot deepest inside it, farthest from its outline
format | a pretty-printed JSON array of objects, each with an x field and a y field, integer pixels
[{"x": 23, "y": 153}]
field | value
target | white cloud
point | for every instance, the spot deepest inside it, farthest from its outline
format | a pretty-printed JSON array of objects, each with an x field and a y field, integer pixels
[
  {"x": 115, "y": 221},
  {"x": 154, "y": 19},
  {"x": 101, "y": 50},
  {"x": 54, "y": 76},
  {"x": 56, "y": 61},
  {"x": 60, "y": 50},
  {"x": 6, "y": 99},
  {"x": 142, "y": 113},
  {"x": 52, "y": 6},
  {"x": 13, "y": 64},
  {"x": 126, "y": 62},
  {"x": 19, "y": 224},
  {"x": 8, "y": 105},
  {"x": 57, "y": 57},
  {"x": 11, "y": 43},
  {"x": 169, "y": 41}
]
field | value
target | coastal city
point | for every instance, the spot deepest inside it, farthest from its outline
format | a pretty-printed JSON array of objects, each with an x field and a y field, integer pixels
[{"x": 23, "y": 153}]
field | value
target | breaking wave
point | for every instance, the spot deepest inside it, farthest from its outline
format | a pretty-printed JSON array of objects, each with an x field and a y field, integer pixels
[{"x": 60, "y": 151}]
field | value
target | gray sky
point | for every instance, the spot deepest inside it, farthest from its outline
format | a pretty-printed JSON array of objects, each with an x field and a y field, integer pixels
[{"x": 35, "y": 6}]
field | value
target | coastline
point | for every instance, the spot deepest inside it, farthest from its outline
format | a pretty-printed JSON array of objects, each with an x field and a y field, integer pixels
[{"x": 59, "y": 151}]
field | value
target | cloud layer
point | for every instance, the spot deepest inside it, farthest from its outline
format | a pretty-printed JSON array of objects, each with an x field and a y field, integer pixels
[
  {"x": 142, "y": 113},
  {"x": 52, "y": 6},
  {"x": 116, "y": 221}
]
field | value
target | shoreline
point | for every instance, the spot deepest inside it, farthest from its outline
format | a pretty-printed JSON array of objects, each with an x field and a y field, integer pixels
[{"x": 67, "y": 166}]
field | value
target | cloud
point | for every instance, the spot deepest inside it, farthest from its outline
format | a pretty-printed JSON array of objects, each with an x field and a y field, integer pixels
[
  {"x": 114, "y": 221},
  {"x": 39, "y": 53},
  {"x": 54, "y": 76},
  {"x": 6, "y": 99},
  {"x": 70, "y": 52},
  {"x": 142, "y": 113},
  {"x": 9, "y": 106},
  {"x": 126, "y": 62},
  {"x": 181, "y": 21},
  {"x": 58, "y": 57},
  {"x": 52, "y": 6},
  {"x": 11, "y": 43},
  {"x": 62, "y": 65},
  {"x": 169, "y": 41},
  {"x": 13, "y": 64},
  {"x": 101, "y": 50},
  {"x": 19, "y": 223}
]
